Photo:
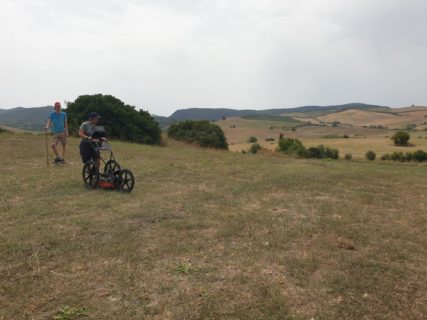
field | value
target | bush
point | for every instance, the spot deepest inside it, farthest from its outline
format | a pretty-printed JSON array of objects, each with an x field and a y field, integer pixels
[
  {"x": 370, "y": 155},
  {"x": 419, "y": 156},
  {"x": 401, "y": 138},
  {"x": 255, "y": 147},
  {"x": 202, "y": 132},
  {"x": 386, "y": 157},
  {"x": 348, "y": 156},
  {"x": 252, "y": 140},
  {"x": 292, "y": 147},
  {"x": 321, "y": 152},
  {"x": 397, "y": 156},
  {"x": 270, "y": 139}
]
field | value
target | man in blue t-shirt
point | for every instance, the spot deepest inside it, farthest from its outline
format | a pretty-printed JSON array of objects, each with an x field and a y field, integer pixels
[{"x": 58, "y": 121}]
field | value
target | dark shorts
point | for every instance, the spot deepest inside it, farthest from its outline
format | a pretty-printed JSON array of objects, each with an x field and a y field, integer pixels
[{"x": 87, "y": 152}]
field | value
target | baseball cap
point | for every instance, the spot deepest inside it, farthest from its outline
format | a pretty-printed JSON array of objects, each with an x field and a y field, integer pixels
[{"x": 94, "y": 115}]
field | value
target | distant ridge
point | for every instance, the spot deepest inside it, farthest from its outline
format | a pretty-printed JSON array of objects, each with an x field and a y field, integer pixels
[
  {"x": 32, "y": 119},
  {"x": 214, "y": 114}
]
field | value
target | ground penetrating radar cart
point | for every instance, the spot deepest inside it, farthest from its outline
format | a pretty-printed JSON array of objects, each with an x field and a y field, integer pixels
[{"x": 112, "y": 176}]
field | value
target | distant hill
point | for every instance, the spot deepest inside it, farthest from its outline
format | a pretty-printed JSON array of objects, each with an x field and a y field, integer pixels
[
  {"x": 31, "y": 119},
  {"x": 214, "y": 114}
]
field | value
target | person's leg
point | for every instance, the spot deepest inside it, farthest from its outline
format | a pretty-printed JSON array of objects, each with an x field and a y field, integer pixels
[
  {"x": 64, "y": 144},
  {"x": 54, "y": 145},
  {"x": 85, "y": 152}
]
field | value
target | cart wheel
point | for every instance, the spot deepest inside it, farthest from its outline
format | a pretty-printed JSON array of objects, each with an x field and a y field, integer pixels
[
  {"x": 111, "y": 166},
  {"x": 127, "y": 180},
  {"x": 90, "y": 174}
]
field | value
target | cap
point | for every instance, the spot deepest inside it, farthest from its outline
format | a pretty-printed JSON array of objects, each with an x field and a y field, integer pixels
[
  {"x": 57, "y": 104},
  {"x": 94, "y": 115}
]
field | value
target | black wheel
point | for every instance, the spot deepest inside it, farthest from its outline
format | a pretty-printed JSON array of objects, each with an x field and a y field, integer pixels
[
  {"x": 111, "y": 166},
  {"x": 126, "y": 180},
  {"x": 90, "y": 174}
]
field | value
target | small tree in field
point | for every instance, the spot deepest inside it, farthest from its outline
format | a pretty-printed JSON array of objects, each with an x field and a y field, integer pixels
[
  {"x": 370, "y": 155},
  {"x": 401, "y": 138}
]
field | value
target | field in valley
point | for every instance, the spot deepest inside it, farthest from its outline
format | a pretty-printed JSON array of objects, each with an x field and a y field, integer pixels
[
  {"x": 360, "y": 139},
  {"x": 212, "y": 234}
]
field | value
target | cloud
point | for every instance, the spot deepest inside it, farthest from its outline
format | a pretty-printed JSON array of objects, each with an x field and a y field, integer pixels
[{"x": 161, "y": 55}]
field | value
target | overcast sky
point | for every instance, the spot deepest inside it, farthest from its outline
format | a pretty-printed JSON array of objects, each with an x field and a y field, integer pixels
[{"x": 162, "y": 55}]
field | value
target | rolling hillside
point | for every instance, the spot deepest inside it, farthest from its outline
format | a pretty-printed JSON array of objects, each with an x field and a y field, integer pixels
[
  {"x": 217, "y": 114},
  {"x": 31, "y": 119},
  {"x": 396, "y": 119}
]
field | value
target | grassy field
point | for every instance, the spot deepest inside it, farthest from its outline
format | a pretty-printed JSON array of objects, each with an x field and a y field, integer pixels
[
  {"x": 360, "y": 139},
  {"x": 211, "y": 235}
]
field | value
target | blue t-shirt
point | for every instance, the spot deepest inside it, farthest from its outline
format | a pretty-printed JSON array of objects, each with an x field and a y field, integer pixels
[{"x": 58, "y": 121}]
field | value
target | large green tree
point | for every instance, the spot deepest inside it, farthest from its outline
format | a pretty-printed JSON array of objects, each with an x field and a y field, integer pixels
[{"x": 121, "y": 121}]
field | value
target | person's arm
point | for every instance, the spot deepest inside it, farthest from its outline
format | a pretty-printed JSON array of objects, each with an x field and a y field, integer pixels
[
  {"x": 82, "y": 133},
  {"x": 47, "y": 124}
]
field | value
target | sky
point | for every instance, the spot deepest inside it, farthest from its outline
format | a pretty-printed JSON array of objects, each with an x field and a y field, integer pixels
[{"x": 164, "y": 55}]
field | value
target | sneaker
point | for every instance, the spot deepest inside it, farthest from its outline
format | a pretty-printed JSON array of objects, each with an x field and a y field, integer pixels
[
  {"x": 57, "y": 160},
  {"x": 61, "y": 160}
]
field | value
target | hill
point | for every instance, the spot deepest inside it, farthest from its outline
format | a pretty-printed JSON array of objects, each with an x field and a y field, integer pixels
[
  {"x": 31, "y": 119},
  {"x": 396, "y": 119},
  {"x": 218, "y": 114},
  {"x": 209, "y": 234}
]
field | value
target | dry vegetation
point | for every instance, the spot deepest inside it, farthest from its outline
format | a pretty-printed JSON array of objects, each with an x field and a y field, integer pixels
[
  {"x": 211, "y": 235},
  {"x": 361, "y": 139}
]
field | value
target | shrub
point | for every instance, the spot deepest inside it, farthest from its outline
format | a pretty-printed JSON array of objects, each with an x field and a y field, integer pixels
[
  {"x": 385, "y": 157},
  {"x": 401, "y": 138},
  {"x": 201, "y": 132},
  {"x": 397, "y": 156},
  {"x": 270, "y": 139},
  {"x": 255, "y": 147},
  {"x": 345, "y": 136},
  {"x": 252, "y": 140},
  {"x": 420, "y": 156},
  {"x": 370, "y": 155},
  {"x": 292, "y": 147},
  {"x": 348, "y": 156},
  {"x": 321, "y": 152}
]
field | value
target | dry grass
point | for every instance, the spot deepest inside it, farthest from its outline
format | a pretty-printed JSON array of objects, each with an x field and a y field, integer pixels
[
  {"x": 359, "y": 142},
  {"x": 369, "y": 118},
  {"x": 211, "y": 235}
]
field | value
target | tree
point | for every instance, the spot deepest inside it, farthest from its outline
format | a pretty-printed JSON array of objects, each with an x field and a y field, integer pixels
[
  {"x": 401, "y": 138},
  {"x": 121, "y": 121}
]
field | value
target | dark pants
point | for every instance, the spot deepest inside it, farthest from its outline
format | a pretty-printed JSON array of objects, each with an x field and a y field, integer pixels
[{"x": 87, "y": 152}]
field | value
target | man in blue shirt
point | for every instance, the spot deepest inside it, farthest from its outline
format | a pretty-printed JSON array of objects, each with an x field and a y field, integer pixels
[{"x": 58, "y": 121}]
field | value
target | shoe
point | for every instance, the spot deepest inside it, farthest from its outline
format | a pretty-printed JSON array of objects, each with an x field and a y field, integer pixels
[
  {"x": 61, "y": 160},
  {"x": 57, "y": 160}
]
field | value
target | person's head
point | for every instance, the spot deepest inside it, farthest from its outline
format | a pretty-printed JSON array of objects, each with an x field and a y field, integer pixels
[
  {"x": 93, "y": 117},
  {"x": 57, "y": 106}
]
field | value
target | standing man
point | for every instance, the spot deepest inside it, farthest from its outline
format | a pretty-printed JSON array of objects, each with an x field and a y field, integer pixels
[{"x": 58, "y": 121}]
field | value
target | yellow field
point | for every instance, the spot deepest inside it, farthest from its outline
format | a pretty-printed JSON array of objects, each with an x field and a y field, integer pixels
[
  {"x": 359, "y": 142},
  {"x": 369, "y": 118}
]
